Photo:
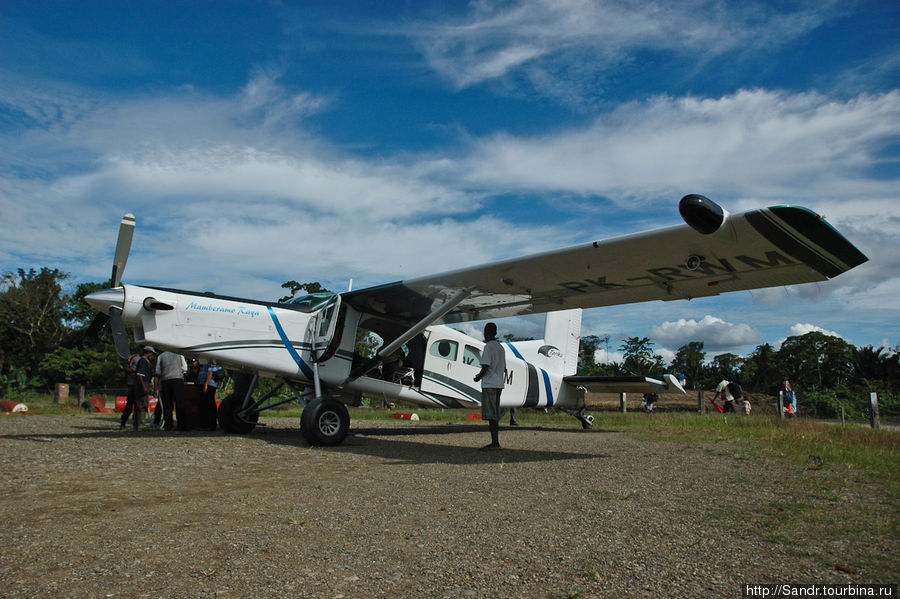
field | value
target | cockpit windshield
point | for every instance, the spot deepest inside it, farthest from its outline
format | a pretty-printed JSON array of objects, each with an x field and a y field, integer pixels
[{"x": 311, "y": 302}]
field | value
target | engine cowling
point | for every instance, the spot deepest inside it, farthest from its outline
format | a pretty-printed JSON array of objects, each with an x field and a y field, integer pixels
[{"x": 702, "y": 214}]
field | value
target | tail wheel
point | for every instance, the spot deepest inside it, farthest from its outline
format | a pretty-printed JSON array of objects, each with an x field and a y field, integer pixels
[
  {"x": 325, "y": 422},
  {"x": 228, "y": 416}
]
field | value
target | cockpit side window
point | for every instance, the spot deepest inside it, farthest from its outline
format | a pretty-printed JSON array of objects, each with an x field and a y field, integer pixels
[
  {"x": 446, "y": 349},
  {"x": 312, "y": 302},
  {"x": 472, "y": 356}
]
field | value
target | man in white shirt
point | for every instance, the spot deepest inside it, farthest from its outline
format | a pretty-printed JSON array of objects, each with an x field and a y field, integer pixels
[
  {"x": 724, "y": 391},
  {"x": 492, "y": 376},
  {"x": 170, "y": 369}
]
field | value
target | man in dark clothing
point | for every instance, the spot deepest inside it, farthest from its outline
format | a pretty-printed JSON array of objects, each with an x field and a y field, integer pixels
[
  {"x": 207, "y": 379},
  {"x": 144, "y": 372},
  {"x": 133, "y": 388}
]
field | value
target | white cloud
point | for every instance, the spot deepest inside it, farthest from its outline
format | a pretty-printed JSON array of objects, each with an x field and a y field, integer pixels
[
  {"x": 800, "y": 329},
  {"x": 759, "y": 144},
  {"x": 804, "y": 328},
  {"x": 209, "y": 179},
  {"x": 545, "y": 38},
  {"x": 235, "y": 195},
  {"x": 715, "y": 333}
]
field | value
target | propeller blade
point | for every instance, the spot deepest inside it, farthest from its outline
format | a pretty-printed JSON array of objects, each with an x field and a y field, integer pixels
[
  {"x": 120, "y": 336},
  {"x": 96, "y": 324},
  {"x": 123, "y": 247}
]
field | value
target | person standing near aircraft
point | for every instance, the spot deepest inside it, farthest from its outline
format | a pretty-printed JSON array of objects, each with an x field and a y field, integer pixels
[
  {"x": 207, "y": 379},
  {"x": 144, "y": 372},
  {"x": 133, "y": 386},
  {"x": 170, "y": 368},
  {"x": 492, "y": 376}
]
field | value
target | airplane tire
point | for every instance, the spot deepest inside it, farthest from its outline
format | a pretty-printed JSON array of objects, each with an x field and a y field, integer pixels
[
  {"x": 228, "y": 419},
  {"x": 325, "y": 422}
]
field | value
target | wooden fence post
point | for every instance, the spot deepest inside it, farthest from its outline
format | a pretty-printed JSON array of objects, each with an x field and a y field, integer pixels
[
  {"x": 781, "y": 404},
  {"x": 700, "y": 402},
  {"x": 622, "y": 401},
  {"x": 873, "y": 410}
]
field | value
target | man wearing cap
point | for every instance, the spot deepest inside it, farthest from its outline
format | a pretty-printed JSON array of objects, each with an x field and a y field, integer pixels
[{"x": 144, "y": 372}]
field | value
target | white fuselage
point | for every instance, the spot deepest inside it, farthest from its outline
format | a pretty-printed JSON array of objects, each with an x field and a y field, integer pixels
[{"x": 281, "y": 341}]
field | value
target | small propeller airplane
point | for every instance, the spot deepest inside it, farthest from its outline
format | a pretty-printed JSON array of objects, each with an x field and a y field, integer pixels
[{"x": 308, "y": 343}]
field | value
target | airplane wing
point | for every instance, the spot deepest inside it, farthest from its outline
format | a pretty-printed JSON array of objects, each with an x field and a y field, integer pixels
[
  {"x": 712, "y": 253},
  {"x": 628, "y": 384}
]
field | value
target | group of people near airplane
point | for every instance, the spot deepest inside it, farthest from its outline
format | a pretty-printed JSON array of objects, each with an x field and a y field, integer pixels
[{"x": 166, "y": 381}]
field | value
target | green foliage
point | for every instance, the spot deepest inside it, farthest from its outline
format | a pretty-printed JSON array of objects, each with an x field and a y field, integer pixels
[
  {"x": 639, "y": 359},
  {"x": 31, "y": 316},
  {"x": 294, "y": 287},
  {"x": 587, "y": 350},
  {"x": 688, "y": 360},
  {"x": 92, "y": 367},
  {"x": 761, "y": 371},
  {"x": 853, "y": 399},
  {"x": 827, "y": 372},
  {"x": 724, "y": 366},
  {"x": 77, "y": 313},
  {"x": 816, "y": 360},
  {"x": 877, "y": 365},
  {"x": 16, "y": 380},
  {"x": 366, "y": 343}
]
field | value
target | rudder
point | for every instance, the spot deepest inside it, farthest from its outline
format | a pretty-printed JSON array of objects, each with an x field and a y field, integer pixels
[{"x": 562, "y": 331}]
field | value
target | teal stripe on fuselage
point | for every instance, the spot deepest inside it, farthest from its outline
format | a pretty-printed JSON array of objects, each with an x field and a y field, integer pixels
[{"x": 304, "y": 367}]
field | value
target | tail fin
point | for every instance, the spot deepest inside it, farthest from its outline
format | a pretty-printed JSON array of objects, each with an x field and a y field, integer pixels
[{"x": 562, "y": 331}]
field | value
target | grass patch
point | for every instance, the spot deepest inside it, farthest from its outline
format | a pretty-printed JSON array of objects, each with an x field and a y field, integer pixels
[
  {"x": 807, "y": 443},
  {"x": 837, "y": 488}
]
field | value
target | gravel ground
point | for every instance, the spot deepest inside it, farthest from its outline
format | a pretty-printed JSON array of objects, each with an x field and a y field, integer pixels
[{"x": 400, "y": 510}]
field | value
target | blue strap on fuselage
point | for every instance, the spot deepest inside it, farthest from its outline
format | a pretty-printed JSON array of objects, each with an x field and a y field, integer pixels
[{"x": 304, "y": 367}]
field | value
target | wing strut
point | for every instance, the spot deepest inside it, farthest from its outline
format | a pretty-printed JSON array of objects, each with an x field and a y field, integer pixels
[
  {"x": 417, "y": 328},
  {"x": 425, "y": 322}
]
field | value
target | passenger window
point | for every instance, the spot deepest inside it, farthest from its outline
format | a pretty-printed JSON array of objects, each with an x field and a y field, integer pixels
[
  {"x": 445, "y": 349},
  {"x": 472, "y": 356}
]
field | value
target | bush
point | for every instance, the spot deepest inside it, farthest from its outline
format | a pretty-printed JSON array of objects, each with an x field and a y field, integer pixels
[
  {"x": 854, "y": 399},
  {"x": 88, "y": 367}
]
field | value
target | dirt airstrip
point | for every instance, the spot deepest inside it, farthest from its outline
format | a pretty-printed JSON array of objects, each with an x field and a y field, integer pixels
[{"x": 402, "y": 509}]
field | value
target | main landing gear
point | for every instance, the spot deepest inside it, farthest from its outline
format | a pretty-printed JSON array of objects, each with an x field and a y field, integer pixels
[{"x": 325, "y": 421}]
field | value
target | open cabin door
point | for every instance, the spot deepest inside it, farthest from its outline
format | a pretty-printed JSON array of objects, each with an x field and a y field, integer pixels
[{"x": 324, "y": 326}]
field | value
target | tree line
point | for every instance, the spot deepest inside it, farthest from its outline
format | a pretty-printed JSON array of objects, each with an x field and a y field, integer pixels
[
  {"x": 828, "y": 372},
  {"x": 46, "y": 337}
]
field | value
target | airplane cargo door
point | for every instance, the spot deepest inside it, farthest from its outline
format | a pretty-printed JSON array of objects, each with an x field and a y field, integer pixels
[{"x": 449, "y": 370}]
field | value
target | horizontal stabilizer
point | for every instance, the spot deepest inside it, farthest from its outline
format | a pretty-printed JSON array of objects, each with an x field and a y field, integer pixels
[{"x": 626, "y": 384}]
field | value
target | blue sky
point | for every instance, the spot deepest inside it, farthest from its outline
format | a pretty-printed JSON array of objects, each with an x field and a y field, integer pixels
[{"x": 258, "y": 142}]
